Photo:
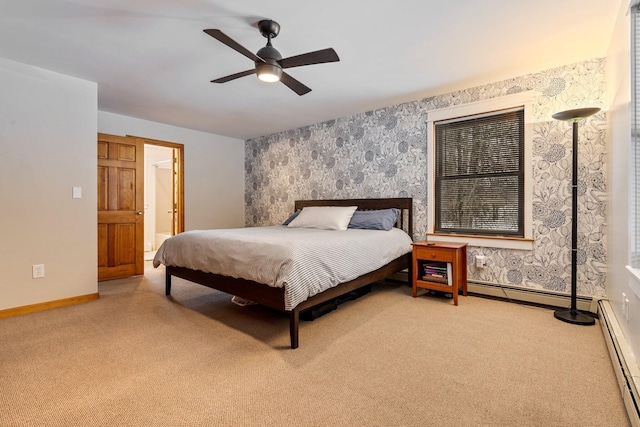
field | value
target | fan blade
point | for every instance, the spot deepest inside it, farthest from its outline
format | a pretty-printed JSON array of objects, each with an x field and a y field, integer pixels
[
  {"x": 317, "y": 57},
  {"x": 234, "y": 76},
  {"x": 223, "y": 38},
  {"x": 293, "y": 84}
]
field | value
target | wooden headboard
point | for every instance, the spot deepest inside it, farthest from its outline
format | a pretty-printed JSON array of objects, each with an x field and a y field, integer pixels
[{"x": 405, "y": 204}]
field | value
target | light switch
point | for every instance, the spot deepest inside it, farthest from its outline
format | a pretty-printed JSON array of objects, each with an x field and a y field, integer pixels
[{"x": 77, "y": 192}]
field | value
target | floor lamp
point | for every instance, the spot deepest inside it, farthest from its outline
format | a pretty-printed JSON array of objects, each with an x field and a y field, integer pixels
[{"x": 572, "y": 315}]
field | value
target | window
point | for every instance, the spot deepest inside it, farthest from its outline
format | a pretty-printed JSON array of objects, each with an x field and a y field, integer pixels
[
  {"x": 479, "y": 182},
  {"x": 480, "y": 173}
]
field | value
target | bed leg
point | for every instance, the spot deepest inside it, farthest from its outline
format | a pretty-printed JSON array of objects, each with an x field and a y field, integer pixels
[
  {"x": 167, "y": 283},
  {"x": 294, "y": 320}
]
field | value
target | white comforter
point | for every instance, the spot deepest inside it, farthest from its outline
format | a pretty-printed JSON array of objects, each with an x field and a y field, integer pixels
[{"x": 306, "y": 261}]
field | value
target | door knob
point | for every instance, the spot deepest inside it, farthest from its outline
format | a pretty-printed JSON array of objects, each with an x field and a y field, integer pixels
[{"x": 139, "y": 213}]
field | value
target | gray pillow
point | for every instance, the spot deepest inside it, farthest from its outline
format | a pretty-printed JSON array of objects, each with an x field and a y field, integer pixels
[
  {"x": 382, "y": 219},
  {"x": 292, "y": 217}
]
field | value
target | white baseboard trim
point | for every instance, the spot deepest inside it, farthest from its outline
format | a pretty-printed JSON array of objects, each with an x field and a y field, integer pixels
[{"x": 623, "y": 361}]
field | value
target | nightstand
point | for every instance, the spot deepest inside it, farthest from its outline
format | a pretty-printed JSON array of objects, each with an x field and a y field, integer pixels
[{"x": 445, "y": 252}]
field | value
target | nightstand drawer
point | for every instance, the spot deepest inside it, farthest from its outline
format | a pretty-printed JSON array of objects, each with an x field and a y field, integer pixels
[{"x": 434, "y": 253}]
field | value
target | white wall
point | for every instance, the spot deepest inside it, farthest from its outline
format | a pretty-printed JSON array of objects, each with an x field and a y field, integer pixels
[
  {"x": 48, "y": 128},
  {"x": 619, "y": 280},
  {"x": 48, "y": 125},
  {"x": 213, "y": 169}
]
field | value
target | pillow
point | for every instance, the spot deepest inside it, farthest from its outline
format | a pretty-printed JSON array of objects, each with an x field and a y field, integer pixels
[
  {"x": 382, "y": 219},
  {"x": 325, "y": 217},
  {"x": 292, "y": 217}
]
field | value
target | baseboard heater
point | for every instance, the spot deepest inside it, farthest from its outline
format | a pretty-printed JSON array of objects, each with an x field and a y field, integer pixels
[
  {"x": 526, "y": 295},
  {"x": 622, "y": 359},
  {"x": 533, "y": 296}
]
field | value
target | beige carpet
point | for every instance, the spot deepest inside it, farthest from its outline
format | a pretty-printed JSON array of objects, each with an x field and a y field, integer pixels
[{"x": 137, "y": 358}]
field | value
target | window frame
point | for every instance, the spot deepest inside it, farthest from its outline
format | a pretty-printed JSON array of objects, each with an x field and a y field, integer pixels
[
  {"x": 633, "y": 222},
  {"x": 634, "y": 166},
  {"x": 518, "y": 100}
]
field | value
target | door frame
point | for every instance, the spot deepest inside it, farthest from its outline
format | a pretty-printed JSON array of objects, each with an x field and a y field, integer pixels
[{"x": 179, "y": 169}]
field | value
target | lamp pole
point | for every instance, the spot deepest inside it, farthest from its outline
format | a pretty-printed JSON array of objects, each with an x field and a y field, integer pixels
[{"x": 572, "y": 315}]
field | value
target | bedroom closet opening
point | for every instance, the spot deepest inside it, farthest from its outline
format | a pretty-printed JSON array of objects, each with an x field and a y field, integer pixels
[{"x": 161, "y": 196}]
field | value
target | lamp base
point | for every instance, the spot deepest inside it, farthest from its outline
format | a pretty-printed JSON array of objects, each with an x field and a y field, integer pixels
[{"x": 574, "y": 316}]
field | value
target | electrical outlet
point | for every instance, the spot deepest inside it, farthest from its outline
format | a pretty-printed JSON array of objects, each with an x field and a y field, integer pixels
[
  {"x": 626, "y": 312},
  {"x": 38, "y": 271},
  {"x": 481, "y": 261},
  {"x": 625, "y": 306}
]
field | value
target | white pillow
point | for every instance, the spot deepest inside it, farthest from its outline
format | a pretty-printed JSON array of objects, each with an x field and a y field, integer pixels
[{"x": 325, "y": 217}]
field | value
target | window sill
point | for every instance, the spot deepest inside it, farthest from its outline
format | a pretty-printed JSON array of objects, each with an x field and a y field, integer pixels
[
  {"x": 634, "y": 281},
  {"x": 634, "y": 273},
  {"x": 485, "y": 242}
]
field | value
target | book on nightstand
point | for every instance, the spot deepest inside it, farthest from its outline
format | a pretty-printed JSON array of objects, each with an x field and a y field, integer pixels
[{"x": 436, "y": 271}]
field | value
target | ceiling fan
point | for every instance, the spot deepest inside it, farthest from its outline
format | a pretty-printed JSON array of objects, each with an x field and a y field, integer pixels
[{"x": 268, "y": 61}]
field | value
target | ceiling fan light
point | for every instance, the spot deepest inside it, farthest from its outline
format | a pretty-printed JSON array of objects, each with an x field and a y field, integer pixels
[{"x": 269, "y": 72}]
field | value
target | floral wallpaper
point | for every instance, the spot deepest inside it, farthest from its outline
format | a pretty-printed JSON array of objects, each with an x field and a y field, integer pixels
[{"x": 383, "y": 153}]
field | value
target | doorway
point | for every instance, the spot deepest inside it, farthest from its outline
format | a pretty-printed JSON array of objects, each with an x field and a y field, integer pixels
[
  {"x": 163, "y": 195},
  {"x": 158, "y": 197}
]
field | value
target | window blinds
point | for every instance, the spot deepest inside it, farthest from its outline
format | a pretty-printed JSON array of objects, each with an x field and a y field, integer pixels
[{"x": 479, "y": 184}]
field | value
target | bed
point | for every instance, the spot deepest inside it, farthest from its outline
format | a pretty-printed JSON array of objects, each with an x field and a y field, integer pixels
[{"x": 285, "y": 297}]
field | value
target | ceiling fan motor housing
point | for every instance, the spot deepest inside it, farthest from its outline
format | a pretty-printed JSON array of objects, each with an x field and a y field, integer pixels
[
  {"x": 269, "y": 70},
  {"x": 269, "y": 52}
]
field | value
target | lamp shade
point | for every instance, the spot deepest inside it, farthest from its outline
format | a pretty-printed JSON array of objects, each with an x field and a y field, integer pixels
[
  {"x": 575, "y": 115},
  {"x": 268, "y": 72}
]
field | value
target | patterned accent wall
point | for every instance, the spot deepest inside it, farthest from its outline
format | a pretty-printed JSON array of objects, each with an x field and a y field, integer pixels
[{"x": 383, "y": 153}]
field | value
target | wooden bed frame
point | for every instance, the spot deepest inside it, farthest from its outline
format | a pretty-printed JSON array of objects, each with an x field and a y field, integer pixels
[{"x": 274, "y": 297}]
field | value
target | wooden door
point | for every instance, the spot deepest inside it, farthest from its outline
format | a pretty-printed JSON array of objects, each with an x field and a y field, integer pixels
[{"x": 120, "y": 207}]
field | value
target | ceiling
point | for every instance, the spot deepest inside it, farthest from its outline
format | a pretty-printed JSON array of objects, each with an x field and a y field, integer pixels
[{"x": 152, "y": 60}]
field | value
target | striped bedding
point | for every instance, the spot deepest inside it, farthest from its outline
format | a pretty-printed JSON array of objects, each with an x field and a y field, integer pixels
[{"x": 306, "y": 261}]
